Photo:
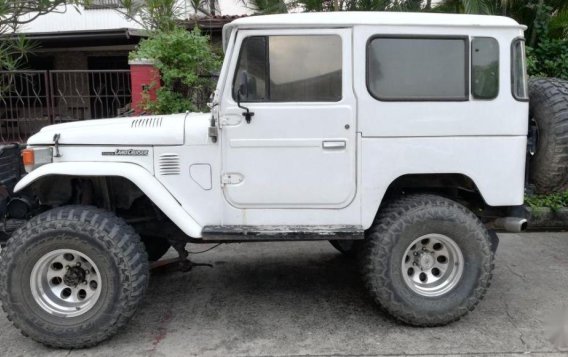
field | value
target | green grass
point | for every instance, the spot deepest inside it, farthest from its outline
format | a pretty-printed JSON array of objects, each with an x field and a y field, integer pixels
[{"x": 554, "y": 201}]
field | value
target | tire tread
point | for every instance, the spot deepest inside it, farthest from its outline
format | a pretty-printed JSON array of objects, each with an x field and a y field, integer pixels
[
  {"x": 383, "y": 235},
  {"x": 132, "y": 262}
]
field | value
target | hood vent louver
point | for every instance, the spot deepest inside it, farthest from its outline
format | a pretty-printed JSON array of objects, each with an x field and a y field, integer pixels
[
  {"x": 154, "y": 122},
  {"x": 169, "y": 164}
]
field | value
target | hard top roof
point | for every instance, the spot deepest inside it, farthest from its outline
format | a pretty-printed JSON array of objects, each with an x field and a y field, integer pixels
[
  {"x": 349, "y": 19},
  {"x": 346, "y": 19}
]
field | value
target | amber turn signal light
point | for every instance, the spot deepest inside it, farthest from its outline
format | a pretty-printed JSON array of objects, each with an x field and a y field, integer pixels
[{"x": 28, "y": 157}]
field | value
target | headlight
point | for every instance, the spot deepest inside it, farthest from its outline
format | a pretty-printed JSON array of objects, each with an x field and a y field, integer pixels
[{"x": 35, "y": 157}]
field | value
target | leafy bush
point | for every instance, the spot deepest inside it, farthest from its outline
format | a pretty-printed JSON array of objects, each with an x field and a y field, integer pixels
[
  {"x": 185, "y": 60},
  {"x": 549, "y": 58},
  {"x": 553, "y": 201}
]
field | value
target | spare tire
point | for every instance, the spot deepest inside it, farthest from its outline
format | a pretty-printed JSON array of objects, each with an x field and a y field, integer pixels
[{"x": 548, "y": 167}]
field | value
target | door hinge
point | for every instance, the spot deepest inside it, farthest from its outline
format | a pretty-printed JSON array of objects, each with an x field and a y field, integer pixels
[
  {"x": 231, "y": 179},
  {"x": 213, "y": 133}
]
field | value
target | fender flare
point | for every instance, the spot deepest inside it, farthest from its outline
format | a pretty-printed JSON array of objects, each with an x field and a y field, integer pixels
[{"x": 139, "y": 176}]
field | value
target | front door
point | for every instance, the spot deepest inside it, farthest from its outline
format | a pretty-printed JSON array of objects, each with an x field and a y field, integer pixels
[{"x": 299, "y": 148}]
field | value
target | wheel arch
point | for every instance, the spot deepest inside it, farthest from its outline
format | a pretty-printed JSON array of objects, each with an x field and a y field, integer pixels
[
  {"x": 135, "y": 174},
  {"x": 456, "y": 186},
  {"x": 452, "y": 185}
]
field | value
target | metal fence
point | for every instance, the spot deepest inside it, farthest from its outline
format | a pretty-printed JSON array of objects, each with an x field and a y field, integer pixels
[{"x": 30, "y": 100}]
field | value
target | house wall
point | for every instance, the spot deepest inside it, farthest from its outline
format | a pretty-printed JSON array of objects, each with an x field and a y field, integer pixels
[{"x": 65, "y": 20}]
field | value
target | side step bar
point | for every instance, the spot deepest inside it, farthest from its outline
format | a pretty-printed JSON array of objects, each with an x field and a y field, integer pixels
[{"x": 281, "y": 233}]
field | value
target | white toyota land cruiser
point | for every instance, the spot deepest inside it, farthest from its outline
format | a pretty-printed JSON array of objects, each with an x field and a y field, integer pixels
[{"x": 401, "y": 138}]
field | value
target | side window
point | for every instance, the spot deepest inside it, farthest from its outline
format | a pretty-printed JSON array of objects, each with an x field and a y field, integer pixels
[
  {"x": 519, "y": 71},
  {"x": 484, "y": 68},
  {"x": 291, "y": 68},
  {"x": 418, "y": 69}
]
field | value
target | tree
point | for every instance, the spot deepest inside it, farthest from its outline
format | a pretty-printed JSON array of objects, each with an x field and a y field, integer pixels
[
  {"x": 15, "y": 13},
  {"x": 266, "y": 6},
  {"x": 280, "y": 6},
  {"x": 184, "y": 58}
]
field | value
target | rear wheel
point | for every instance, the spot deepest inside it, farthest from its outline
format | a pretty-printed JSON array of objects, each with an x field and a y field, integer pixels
[
  {"x": 73, "y": 276},
  {"x": 427, "y": 260}
]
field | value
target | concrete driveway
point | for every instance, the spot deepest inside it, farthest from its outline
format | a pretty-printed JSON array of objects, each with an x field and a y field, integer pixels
[{"x": 305, "y": 299}]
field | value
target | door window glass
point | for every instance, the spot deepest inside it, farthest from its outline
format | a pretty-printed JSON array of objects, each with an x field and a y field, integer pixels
[{"x": 304, "y": 68}]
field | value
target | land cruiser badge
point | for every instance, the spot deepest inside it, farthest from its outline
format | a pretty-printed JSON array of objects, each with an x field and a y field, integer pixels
[{"x": 126, "y": 152}]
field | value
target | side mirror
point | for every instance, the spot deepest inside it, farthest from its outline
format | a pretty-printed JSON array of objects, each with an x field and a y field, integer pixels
[{"x": 242, "y": 92}]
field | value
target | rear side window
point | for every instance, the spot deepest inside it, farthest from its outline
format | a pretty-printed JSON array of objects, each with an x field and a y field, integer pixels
[
  {"x": 304, "y": 68},
  {"x": 519, "y": 71},
  {"x": 484, "y": 68},
  {"x": 418, "y": 69}
]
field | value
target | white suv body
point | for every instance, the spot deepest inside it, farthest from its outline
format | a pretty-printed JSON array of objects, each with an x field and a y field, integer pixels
[{"x": 329, "y": 161}]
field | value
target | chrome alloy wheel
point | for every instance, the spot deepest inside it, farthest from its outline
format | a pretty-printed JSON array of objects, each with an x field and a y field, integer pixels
[
  {"x": 65, "y": 283},
  {"x": 432, "y": 265}
]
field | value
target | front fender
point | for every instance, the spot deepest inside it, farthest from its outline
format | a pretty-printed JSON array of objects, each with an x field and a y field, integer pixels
[{"x": 136, "y": 174}]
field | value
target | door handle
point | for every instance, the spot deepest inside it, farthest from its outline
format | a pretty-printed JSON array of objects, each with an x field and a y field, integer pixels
[{"x": 334, "y": 144}]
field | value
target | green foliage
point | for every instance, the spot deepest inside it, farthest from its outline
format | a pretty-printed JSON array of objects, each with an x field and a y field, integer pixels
[
  {"x": 153, "y": 15},
  {"x": 267, "y": 6},
  {"x": 554, "y": 201},
  {"x": 185, "y": 61},
  {"x": 549, "y": 56},
  {"x": 282, "y": 6},
  {"x": 14, "y": 52}
]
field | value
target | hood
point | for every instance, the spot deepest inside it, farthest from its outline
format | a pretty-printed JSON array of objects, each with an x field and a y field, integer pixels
[{"x": 135, "y": 131}]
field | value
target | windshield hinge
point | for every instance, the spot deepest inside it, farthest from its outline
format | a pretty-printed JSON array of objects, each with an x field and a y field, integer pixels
[{"x": 213, "y": 133}]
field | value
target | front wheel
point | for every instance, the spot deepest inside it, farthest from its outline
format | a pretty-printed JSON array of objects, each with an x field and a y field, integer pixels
[
  {"x": 427, "y": 260},
  {"x": 73, "y": 276}
]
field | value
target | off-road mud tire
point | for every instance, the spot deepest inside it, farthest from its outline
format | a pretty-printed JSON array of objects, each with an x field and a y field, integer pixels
[
  {"x": 396, "y": 226},
  {"x": 548, "y": 168},
  {"x": 106, "y": 239}
]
